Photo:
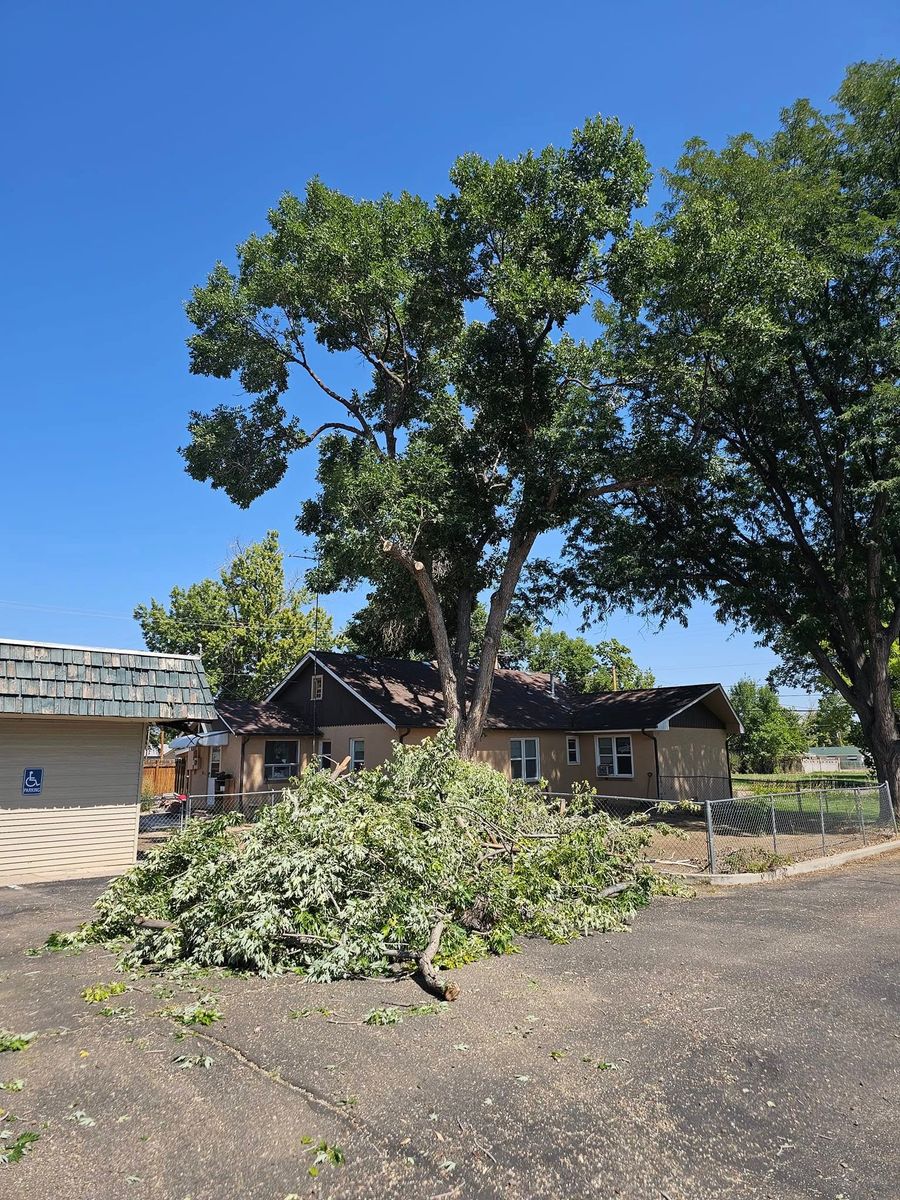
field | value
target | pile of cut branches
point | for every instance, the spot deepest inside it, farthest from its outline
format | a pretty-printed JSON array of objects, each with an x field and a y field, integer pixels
[{"x": 427, "y": 859}]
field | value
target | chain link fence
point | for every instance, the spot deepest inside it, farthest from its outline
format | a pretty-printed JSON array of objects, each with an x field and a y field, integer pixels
[
  {"x": 756, "y": 832},
  {"x": 743, "y": 833}
]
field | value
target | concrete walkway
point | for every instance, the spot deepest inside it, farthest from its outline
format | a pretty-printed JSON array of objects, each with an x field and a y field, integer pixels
[{"x": 753, "y": 1038}]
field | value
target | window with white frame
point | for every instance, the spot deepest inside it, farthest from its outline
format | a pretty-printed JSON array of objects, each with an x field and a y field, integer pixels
[
  {"x": 614, "y": 756},
  {"x": 357, "y": 754},
  {"x": 281, "y": 760},
  {"x": 525, "y": 759},
  {"x": 315, "y": 687},
  {"x": 573, "y": 749},
  {"x": 325, "y": 760}
]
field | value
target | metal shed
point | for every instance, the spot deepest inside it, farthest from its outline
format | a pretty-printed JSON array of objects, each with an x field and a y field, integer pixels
[{"x": 73, "y": 725}]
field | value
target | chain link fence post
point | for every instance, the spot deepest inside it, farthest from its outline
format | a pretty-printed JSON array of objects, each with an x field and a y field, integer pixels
[
  {"x": 822, "y": 821},
  {"x": 774, "y": 825},
  {"x": 861, "y": 819},
  {"x": 710, "y": 839},
  {"x": 890, "y": 805}
]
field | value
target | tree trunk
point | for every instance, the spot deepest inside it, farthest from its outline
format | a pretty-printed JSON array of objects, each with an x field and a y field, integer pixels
[
  {"x": 470, "y": 728},
  {"x": 881, "y": 731}
]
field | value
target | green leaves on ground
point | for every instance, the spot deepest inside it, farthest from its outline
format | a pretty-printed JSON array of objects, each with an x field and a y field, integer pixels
[
  {"x": 15, "y": 1041},
  {"x": 14, "y": 1151},
  {"x": 345, "y": 875},
  {"x": 323, "y": 1154},
  {"x": 98, "y": 992},
  {"x": 202, "y": 1012}
]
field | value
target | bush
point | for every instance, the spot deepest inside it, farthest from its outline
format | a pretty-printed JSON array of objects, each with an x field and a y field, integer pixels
[
  {"x": 344, "y": 875},
  {"x": 755, "y": 859}
]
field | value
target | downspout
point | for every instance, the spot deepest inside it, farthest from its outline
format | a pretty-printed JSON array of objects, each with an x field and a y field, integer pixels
[
  {"x": 652, "y": 737},
  {"x": 728, "y": 763},
  {"x": 241, "y": 780}
]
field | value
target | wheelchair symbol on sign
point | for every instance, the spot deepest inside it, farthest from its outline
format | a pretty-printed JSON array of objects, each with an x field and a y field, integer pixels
[{"x": 32, "y": 781}]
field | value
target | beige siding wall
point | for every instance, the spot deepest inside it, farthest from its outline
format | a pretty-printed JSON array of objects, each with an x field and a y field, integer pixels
[{"x": 84, "y": 823}]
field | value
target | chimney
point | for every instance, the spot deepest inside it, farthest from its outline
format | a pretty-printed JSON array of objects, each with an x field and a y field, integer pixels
[{"x": 552, "y": 685}]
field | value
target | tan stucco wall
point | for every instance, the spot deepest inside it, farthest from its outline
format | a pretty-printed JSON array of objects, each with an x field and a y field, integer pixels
[
  {"x": 84, "y": 824},
  {"x": 561, "y": 776},
  {"x": 685, "y": 753},
  {"x": 698, "y": 759},
  {"x": 494, "y": 750}
]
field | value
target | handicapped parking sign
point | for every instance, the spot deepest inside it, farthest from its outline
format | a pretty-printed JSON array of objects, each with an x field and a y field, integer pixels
[{"x": 32, "y": 781}]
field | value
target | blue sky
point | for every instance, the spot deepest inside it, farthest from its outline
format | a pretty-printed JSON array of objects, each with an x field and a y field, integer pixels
[{"x": 142, "y": 142}]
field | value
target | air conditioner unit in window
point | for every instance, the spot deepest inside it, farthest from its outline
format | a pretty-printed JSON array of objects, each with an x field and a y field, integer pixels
[{"x": 602, "y": 772}]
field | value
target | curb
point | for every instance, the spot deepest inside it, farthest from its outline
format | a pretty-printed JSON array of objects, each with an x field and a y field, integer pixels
[{"x": 809, "y": 866}]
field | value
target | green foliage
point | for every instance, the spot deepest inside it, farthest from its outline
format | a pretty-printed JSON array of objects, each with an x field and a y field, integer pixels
[
  {"x": 579, "y": 665},
  {"x": 12, "y": 1085},
  {"x": 250, "y": 625},
  {"x": 15, "y": 1150},
  {"x": 15, "y": 1041},
  {"x": 383, "y": 1016},
  {"x": 202, "y": 1012},
  {"x": 756, "y": 321},
  {"x": 755, "y": 859},
  {"x": 73, "y": 940},
  {"x": 477, "y": 422},
  {"x": 363, "y": 866},
  {"x": 324, "y": 1154},
  {"x": 187, "y": 1062},
  {"x": 773, "y": 735},
  {"x": 832, "y": 722},
  {"x": 98, "y": 992}
]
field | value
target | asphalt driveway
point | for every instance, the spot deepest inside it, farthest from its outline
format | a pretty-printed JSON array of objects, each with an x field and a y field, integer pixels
[{"x": 736, "y": 1045}]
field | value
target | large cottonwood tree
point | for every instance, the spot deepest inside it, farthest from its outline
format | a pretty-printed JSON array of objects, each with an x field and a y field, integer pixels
[
  {"x": 477, "y": 422},
  {"x": 757, "y": 326}
]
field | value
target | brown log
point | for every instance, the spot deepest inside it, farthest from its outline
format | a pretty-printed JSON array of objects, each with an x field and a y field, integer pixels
[{"x": 428, "y": 974}]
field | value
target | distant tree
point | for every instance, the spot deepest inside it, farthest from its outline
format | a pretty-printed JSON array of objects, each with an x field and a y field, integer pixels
[
  {"x": 580, "y": 665},
  {"x": 757, "y": 323},
  {"x": 480, "y": 423},
  {"x": 831, "y": 723},
  {"x": 773, "y": 735},
  {"x": 250, "y": 626}
]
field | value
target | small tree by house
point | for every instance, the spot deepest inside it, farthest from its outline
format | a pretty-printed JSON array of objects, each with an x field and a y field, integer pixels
[{"x": 250, "y": 626}]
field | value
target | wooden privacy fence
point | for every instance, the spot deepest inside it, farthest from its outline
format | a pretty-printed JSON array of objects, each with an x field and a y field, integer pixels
[{"x": 158, "y": 778}]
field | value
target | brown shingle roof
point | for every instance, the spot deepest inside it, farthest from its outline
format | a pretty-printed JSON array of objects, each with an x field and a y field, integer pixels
[
  {"x": 247, "y": 718},
  {"x": 408, "y": 693}
]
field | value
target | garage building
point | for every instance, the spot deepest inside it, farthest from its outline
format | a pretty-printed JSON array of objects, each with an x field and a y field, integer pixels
[{"x": 73, "y": 725}]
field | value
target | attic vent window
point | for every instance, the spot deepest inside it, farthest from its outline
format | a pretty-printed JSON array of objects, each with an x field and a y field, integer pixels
[{"x": 316, "y": 686}]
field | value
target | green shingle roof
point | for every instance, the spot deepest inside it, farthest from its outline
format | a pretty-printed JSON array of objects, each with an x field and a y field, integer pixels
[{"x": 79, "y": 681}]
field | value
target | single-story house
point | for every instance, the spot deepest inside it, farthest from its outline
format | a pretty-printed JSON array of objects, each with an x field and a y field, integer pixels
[
  {"x": 659, "y": 743},
  {"x": 833, "y": 758},
  {"x": 73, "y": 728}
]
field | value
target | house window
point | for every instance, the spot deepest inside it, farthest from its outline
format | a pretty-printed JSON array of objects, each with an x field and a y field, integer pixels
[
  {"x": 525, "y": 759},
  {"x": 573, "y": 749},
  {"x": 357, "y": 754},
  {"x": 315, "y": 687},
  {"x": 325, "y": 760},
  {"x": 614, "y": 756},
  {"x": 281, "y": 760},
  {"x": 215, "y": 760}
]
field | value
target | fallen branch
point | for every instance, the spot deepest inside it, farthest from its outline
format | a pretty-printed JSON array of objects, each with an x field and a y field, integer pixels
[
  {"x": 430, "y": 977},
  {"x": 615, "y": 889}
]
